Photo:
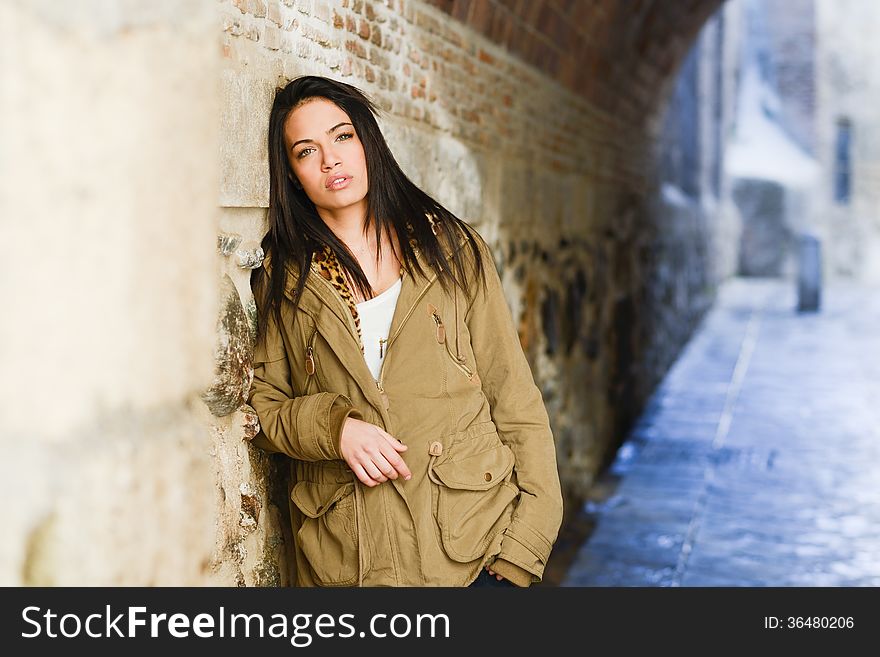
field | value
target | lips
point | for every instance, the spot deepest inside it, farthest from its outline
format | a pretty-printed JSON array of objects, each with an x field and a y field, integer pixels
[{"x": 337, "y": 181}]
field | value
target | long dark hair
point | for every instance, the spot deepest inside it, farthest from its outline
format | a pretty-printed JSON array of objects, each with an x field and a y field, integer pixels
[{"x": 394, "y": 203}]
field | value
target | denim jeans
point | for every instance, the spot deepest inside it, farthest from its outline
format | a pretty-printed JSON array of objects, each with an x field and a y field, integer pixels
[{"x": 485, "y": 579}]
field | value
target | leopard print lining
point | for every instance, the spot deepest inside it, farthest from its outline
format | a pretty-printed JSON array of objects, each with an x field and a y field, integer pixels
[{"x": 325, "y": 264}]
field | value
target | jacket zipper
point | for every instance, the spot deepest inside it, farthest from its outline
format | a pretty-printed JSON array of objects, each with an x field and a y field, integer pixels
[
  {"x": 310, "y": 361},
  {"x": 391, "y": 339},
  {"x": 353, "y": 328},
  {"x": 457, "y": 360},
  {"x": 441, "y": 330}
]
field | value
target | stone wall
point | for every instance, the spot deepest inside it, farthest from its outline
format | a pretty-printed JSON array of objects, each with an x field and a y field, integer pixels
[{"x": 108, "y": 194}]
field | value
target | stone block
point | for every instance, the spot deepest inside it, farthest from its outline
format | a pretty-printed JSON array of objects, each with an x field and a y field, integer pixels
[{"x": 232, "y": 354}]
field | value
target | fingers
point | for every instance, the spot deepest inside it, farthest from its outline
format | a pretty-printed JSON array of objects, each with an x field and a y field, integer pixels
[
  {"x": 387, "y": 464},
  {"x": 372, "y": 453},
  {"x": 395, "y": 463},
  {"x": 381, "y": 464},
  {"x": 374, "y": 472},
  {"x": 395, "y": 443},
  {"x": 361, "y": 474},
  {"x": 386, "y": 469},
  {"x": 492, "y": 572}
]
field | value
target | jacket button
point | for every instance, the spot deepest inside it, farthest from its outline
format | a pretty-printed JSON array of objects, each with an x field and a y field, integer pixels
[
  {"x": 436, "y": 449},
  {"x": 488, "y": 476}
]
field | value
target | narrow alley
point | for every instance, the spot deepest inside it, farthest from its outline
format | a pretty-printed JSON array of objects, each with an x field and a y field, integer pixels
[{"x": 756, "y": 461}]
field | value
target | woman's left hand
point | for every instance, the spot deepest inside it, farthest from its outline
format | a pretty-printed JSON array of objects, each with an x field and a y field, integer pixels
[{"x": 492, "y": 572}]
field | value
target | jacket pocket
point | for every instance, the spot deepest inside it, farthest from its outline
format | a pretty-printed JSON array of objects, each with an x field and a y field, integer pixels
[
  {"x": 328, "y": 536},
  {"x": 475, "y": 495}
]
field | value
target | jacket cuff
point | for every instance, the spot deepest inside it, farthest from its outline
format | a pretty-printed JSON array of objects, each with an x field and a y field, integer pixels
[
  {"x": 524, "y": 547},
  {"x": 262, "y": 442},
  {"x": 512, "y": 572},
  {"x": 320, "y": 420},
  {"x": 339, "y": 411}
]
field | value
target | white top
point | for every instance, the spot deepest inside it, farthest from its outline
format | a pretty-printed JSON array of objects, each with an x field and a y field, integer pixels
[{"x": 376, "y": 315}]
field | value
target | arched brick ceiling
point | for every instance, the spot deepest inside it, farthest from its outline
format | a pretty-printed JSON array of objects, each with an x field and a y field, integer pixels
[{"x": 620, "y": 54}]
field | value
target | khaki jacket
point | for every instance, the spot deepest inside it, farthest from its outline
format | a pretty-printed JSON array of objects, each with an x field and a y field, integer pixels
[{"x": 456, "y": 388}]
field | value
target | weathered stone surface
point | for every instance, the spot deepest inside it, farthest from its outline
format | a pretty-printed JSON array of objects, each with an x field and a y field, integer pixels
[
  {"x": 250, "y": 507},
  {"x": 122, "y": 503},
  {"x": 227, "y": 243},
  {"x": 249, "y": 255},
  {"x": 572, "y": 325},
  {"x": 124, "y": 328},
  {"x": 250, "y": 423},
  {"x": 250, "y": 309},
  {"x": 233, "y": 355},
  {"x": 243, "y": 122},
  {"x": 550, "y": 320}
]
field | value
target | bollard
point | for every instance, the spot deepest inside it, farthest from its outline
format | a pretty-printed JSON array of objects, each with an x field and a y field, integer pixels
[{"x": 809, "y": 273}]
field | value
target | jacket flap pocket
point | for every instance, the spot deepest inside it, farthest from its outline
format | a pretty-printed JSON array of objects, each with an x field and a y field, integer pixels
[
  {"x": 478, "y": 471},
  {"x": 315, "y": 500}
]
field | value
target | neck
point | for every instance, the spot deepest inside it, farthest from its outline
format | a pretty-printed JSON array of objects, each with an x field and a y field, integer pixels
[
  {"x": 349, "y": 225},
  {"x": 346, "y": 223}
]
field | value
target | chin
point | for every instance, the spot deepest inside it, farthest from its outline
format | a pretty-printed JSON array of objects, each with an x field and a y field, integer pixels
[{"x": 340, "y": 200}]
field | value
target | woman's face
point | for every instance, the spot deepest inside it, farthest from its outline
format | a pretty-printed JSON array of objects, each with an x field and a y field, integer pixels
[{"x": 322, "y": 148}]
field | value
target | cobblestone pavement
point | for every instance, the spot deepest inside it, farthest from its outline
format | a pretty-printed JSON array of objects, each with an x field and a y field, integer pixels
[{"x": 757, "y": 461}]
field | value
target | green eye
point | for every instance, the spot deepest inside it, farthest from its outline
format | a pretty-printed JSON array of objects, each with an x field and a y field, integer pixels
[{"x": 305, "y": 151}]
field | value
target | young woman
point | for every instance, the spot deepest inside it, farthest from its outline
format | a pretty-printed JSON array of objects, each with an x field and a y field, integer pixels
[{"x": 388, "y": 368}]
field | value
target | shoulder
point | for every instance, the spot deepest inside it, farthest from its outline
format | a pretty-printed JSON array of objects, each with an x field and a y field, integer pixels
[
  {"x": 464, "y": 234},
  {"x": 480, "y": 257},
  {"x": 263, "y": 277},
  {"x": 482, "y": 280}
]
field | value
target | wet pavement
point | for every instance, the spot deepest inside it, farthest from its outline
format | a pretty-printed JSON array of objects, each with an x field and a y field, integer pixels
[{"x": 757, "y": 461}]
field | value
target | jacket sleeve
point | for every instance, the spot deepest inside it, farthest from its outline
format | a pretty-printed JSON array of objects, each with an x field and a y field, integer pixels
[
  {"x": 304, "y": 427},
  {"x": 523, "y": 424}
]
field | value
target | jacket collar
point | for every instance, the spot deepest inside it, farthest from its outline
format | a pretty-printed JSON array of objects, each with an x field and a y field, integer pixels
[
  {"x": 338, "y": 298},
  {"x": 346, "y": 344}
]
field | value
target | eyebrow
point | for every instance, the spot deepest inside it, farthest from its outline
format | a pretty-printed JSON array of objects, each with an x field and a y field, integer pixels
[{"x": 301, "y": 141}]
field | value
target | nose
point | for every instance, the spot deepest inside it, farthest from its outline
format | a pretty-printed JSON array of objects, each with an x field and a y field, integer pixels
[{"x": 331, "y": 158}]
